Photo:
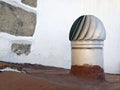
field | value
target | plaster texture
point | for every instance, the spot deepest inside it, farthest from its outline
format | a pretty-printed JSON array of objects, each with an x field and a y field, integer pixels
[
  {"x": 16, "y": 21},
  {"x": 32, "y": 3},
  {"x": 50, "y": 44},
  {"x": 16, "y": 24},
  {"x": 20, "y": 49}
]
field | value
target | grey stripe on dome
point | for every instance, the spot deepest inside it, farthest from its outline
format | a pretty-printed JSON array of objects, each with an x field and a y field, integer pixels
[
  {"x": 91, "y": 30},
  {"x": 74, "y": 27},
  {"x": 87, "y": 27},
  {"x": 80, "y": 28},
  {"x": 84, "y": 29}
]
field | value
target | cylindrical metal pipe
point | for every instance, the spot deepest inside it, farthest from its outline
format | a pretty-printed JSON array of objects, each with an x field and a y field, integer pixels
[
  {"x": 87, "y": 35},
  {"x": 87, "y": 53}
]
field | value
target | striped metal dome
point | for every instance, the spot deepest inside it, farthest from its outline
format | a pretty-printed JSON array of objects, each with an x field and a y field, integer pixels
[{"x": 87, "y": 27}]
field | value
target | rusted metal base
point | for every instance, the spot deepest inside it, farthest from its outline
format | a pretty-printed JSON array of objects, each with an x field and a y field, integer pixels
[{"x": 87, "y": 71}]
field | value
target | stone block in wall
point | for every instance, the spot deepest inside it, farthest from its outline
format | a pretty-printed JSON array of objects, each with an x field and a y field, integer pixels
[
  {"x": 20, "y": 49},
  {"x": 16, "y": 21},
  {"x": 32, "y": 3}
]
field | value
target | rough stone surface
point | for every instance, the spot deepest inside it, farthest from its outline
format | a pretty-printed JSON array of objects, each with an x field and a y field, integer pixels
[
  {"x": 88, "y": 71},
  {"x": 16, "y": 21},
  {"x": 32, "y": 3},
  {"x": 20, "y": 49},
  {"x": 5, "y": 65}
]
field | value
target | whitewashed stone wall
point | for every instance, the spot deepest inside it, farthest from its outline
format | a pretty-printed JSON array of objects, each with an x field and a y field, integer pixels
[{"x": 50, "y": 44}]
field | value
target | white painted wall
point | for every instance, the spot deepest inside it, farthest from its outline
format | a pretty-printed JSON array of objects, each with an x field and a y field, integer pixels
[{"x": 50, "y": 43}]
